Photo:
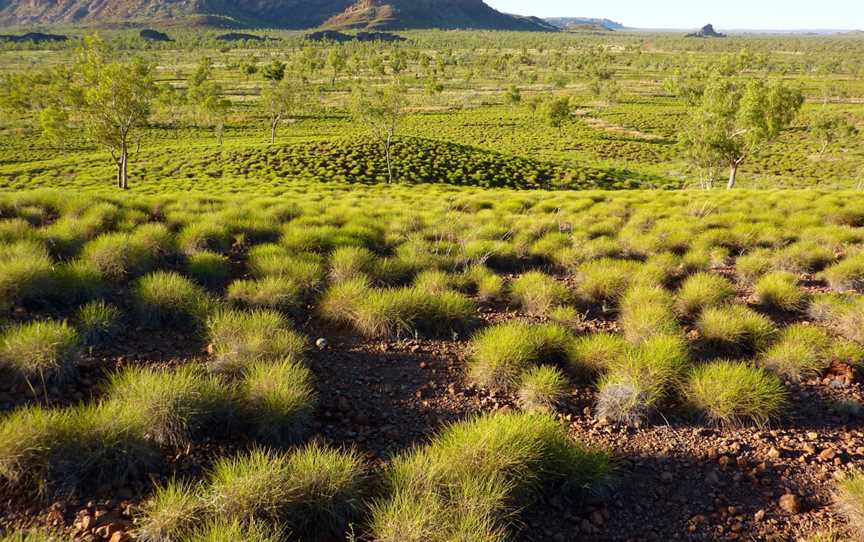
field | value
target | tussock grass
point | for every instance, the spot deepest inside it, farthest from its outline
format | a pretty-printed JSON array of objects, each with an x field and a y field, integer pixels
[
  {"x": 204, "y": 236},
  {"x": 155, "y": 239},
  {"x": 32, "y": 535},
  {"x": 281, "y": 293},
  {"x": 167, "y": 299},
  {"x": 172, "y": 512},
  {"x": 98, "y": 321},
  {"x": 54, "y": 452},
  {"x": 468, "y": 482},
  {"x": 25, "y": 274},
  {"x": 780, "y": 290},
  {"x": 537, "y": 293},
  {"x": 642, "y": 379},
  {"x": 209, "y": 269},
  {"x": 801, "y": 351},
  {"x": 647, "y": 311},
  {"x": 605, "y": 279},
  {"x": 735, "y": 326},
  {"x": 271, "y": 260},
  {"x": 749, "y": 267},
  {"x": 240, "y": 338},
  {"x": 541, "y": 388},
  {"x": 849, "y": 499},
  {"x": 220, "y": 530},
  {"x": 501, "y": 353},
  {"x": 734, "y": 393},
  {"x": 40, "y": 352},
  {"x": 595, "y": 353},
  {"x": 279, "y": 399},
  {"x": 846, "y": 275},
  {"x": 701, "y": 291},
  {"x": 485, "y": 283},
  {"x": 349, "y": 263},
  {"x": 176, "y": 407},
  {"x": 116, "y": 257}
]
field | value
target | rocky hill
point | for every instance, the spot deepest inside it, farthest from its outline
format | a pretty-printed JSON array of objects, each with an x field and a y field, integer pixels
[
  {"x": 567, "y": 22},
  {"x": 334, "y": 14}
]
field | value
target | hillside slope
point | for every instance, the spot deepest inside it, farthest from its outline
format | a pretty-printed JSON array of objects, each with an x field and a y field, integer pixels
[{"x": 292, "y": 14}]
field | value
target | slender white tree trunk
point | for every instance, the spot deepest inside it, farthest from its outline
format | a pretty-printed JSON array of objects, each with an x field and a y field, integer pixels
[{"x": 733, "y": 175}]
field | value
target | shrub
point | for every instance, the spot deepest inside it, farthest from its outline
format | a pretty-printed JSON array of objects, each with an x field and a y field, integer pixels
[
  {"x": 846, "y": 275},
  {"x": 501, "y": 353},
  {"x": 733, "y": 393},
  {"x": 209, "y": 269},
  {"x": 40, "y": 352},
  {"x": 25, "y": 273},
  {"x": 279, "y": 400},
  {"x": 849, "y": 497},
  {"x": 645, "y": 312},
  {"x": 314, "y": 492},
  {"x": 166, "y": 298},
  {"x": 701, "y": 291},
  {"x": 538, "y": 293},
  {"x": 780, "y": 291},
  {"x": 605, "y": 279},
  {"x": 204, "y": 236},
  {"x": 175, "y": 406},
  {"x": 466, "y": 484},
  {"x": 541, "y": 388},
  {"x": 98, "y": 321},
  {"x": 595, "y": 353},
  {"x": 642, "y": 379},
  {"x": 240, "y": 338},
  {"x": 801, "y": 351},
  {"x": 281, "y": 293},
  {"x": 735, "y": 326},
  {"x": 59, "y": 452},
  {"x": 115, "y": 257}
]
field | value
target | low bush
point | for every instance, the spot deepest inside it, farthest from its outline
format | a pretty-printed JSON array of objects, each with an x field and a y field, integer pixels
[
  {"x": 240, "y": 338},
  {"x": 167, "y": 299},
  {"x": 501, "y": 353},
  {"x": 541, "y": 388},
  {"x": 701, "y": 291},
  {"x": 537, "y": 293},
  {"x": 98, "y": 321},
  {"x": 734, "y": 393},
  {"x": 779, "y": 290},
  {"x": 209, "y": 269},
  {"x": 849, "y": 497},
  {"x": 801, "y": 351},
  {"x": 468, "y": 482},
  {"x": 642, "y": 379},
  {"x": 40, "y": 353},
  {"x": 736, "y": 327},
  {"x": 647, "y": 311},
  {"x": 279, "y": 399},
  {"x": 176, "y": 406}
]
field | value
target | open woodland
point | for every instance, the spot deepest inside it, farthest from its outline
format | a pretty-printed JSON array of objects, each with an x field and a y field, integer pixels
[{"x": 473, "y": 286}]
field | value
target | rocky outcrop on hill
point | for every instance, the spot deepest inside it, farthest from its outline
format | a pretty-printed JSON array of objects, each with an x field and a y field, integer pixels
[{"x": 706, "y": 31}]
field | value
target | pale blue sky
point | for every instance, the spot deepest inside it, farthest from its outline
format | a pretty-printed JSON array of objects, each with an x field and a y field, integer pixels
[{"x": 754, "y": 14}]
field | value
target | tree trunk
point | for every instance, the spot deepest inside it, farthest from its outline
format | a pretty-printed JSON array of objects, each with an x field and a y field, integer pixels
[
  {"x": 124, "y": 173},
  {"x": 733, "y": 175},
  {"x": 387, "y": 156},
  {"x": 274, "y": 123}
]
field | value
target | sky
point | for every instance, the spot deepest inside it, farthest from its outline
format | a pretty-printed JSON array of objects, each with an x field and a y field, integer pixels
[{"x": 725, "y": 14}]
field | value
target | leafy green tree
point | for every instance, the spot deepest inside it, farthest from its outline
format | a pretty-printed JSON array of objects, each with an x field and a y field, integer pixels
[
  {"x": 206, "y": 97},
  {"x": 829, "y": 129},
  {"x": 737, "y": 120},
  {"x": 280, "y": 102},
  {"x": 54, "y": 123},
  {"x": 513, "y": 96},
  {"x": 275, "y": 71},
  {"x": 112, "y": 99},
  {"x": 336, "y": 60},
  {"x": 557, "y": 111},
  {"x": 380, "y": 110}
]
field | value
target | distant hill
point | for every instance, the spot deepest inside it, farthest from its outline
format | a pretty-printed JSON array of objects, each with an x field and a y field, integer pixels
[
  {"x": 293, "y": 14},
  {"x": 567, "y": 22}
]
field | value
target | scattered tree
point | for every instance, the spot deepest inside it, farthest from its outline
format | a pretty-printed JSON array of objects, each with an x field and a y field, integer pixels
[
  {"x": 275, "y": 71},
  {"x": 557, "y": 111},
  {"x": 380, "y": 110},
  {"x": 280, "y": 102}
]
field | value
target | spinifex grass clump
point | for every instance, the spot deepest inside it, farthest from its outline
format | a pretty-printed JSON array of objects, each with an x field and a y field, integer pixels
[
  {"x": 780, "y": 290},
  {"x": 204, "y": 236},
  {"x": 647, "y": 311},
  {"x": 169, "y": 299},
  {"x": 605, "y": 279},
  {"x": 642, "y": 379},
  {"x": 220, "y": 530},
  {"x": 98, "y": 321},
  {"x": 470, "y": 480},
  {"x": 32, "y": 535},
  {"x": 801, "y": 351},
  {"x": 541, "y": 388},
  {"x": 25, "y": 274},
  {"x": 175, "y": 406},
  {"x": 281, "y": 293},
  {"x": 732, "y": 393},
  {"x": 209, "y": 269},
  {"x": 39, "y": 352},
  {"x": 849, "y": 497},
  {"x": 278, "y": 400},
  {"x": 501, "y": 353},
  {"x": 391, "y": 312},
  {"x": 312, "y": 492},
  {"x": 735, "y": 327},
  {"x": 116, "y": 257},
  {"x": 701, "y": 291},
  {"x": 846, "y": 275},
  {"x": 56, "y": 452},
  {"x": 596, "y": 353},
  {"x": 239, "y": 338},
  {"x": 347, "y": 263},
  {"x": 538, "y": 293},
  {"x": 271, "y": 260},
  {"x": 749, "y": 267}
]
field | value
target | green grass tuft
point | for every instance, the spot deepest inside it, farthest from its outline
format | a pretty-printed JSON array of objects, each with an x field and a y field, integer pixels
[
  {"x": 169, "y": 299},
  {"x": 98, "y": 321},
  {"x": 701, "y": 291},
  {"x": 849, "y": 498},
  {"x": 40, "y": 352},
  {"x": 279, "y": 399},
  {"x": 801, "y": 351},
  {"x": 240, "y": 338},
  {"x": 779, "y": 290},
  {"x": 537, "y": 293},
  {"x": 646, "y": 312},
  {"x": 735, "y": 326},
  {"x": 541, "y": 388},
  {"x": 734, "y": 393}
]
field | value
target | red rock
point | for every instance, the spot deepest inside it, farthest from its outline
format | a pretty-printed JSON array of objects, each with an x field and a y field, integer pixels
[{"x": 790, "y": 504}]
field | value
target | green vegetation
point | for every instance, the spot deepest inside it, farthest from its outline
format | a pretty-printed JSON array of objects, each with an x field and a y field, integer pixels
[
  {"x": 39, "y": 352},
  {"x": 733, "y": 392},
  {"x": 849, "y": 497}
]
